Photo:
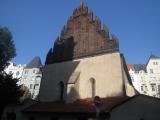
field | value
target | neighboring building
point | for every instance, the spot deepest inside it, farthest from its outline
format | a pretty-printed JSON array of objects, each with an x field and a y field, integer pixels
[
  {"x": 29, "y": 75},
  {"x": 15, "y": 70},
  {"x": 146, "y": 78},
  {"x": 32, "y": 75}
]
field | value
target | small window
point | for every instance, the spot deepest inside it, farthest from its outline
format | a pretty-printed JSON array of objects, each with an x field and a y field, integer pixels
[
  {"x": 92, "y": 87},
  {"x": 146, "y": 89},
  {"x": 31, "y": 86},
  {"x": 36, "y": 86},
  {"x": 155, "y": 63},
  {"x": 141, "y": 88},
  {"x": 26, "y": 72},
  {"x": 158, "y": 88},
  {"x": 61, "y": 87},
  {"x": 17, "y": 73},
  {"x": 153, "y": 87}
]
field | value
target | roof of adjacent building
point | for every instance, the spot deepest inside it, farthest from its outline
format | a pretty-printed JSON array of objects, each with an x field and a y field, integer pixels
[
  {"x": 136, "y": 67},
  {"x": 154, "y": 57},
  {"x": 130, "y": 66},
  {"x": 139, "y": 67},
  {"x": 34, "y": 63},
  {"x": 79, "y": 106},
  {"x": 142, "y": 98}
]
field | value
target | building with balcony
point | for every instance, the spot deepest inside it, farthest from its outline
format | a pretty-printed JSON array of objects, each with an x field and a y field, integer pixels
[{"x": 146, "y": 77}]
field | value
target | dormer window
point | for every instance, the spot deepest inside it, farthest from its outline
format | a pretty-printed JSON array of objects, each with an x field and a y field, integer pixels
[{"x": 155, "y": 63}]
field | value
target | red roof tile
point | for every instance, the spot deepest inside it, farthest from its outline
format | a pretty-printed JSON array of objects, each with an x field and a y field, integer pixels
[
  {"x": 130, "y": 66},
  {"x": 79, "y": 106}
]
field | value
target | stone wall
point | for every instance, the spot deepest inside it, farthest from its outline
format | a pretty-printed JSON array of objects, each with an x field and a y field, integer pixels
[{"x": 107, "y": 71}]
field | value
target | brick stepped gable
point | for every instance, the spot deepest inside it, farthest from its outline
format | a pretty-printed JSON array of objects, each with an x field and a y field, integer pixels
[{"x": 82, "y": 36}]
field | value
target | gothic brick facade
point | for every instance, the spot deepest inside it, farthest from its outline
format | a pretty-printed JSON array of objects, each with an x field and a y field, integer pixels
[{"x": 82, "y": 36}]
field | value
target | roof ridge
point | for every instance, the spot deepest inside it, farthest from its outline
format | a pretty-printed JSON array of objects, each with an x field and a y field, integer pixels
[{"x": 34, "y": 63}]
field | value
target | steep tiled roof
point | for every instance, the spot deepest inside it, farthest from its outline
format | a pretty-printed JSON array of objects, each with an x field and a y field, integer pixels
[
  {"x": 130, "y": 66},
  {"x": 34, "y": 63},
  {"x": 79, "y": 106},
  {"x": 154, "y": 57},
  {"x": 138, "y": 67}
]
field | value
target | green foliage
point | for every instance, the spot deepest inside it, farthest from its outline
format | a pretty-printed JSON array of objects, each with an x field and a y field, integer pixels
[
  {"x": 9, "y": 91},
  {"x": 26, "y": 95},
  {"x": 7, "y": 47}
]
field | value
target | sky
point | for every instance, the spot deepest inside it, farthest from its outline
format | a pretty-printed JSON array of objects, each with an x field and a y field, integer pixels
[{"x": 35, "y": 24}]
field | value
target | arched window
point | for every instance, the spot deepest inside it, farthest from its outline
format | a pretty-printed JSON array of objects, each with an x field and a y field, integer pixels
[
  {"x": 61, "y": 86},
  {"x": 92, "y": 87}
]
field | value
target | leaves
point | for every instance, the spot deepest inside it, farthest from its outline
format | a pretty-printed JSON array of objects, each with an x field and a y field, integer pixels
[
  {"x": 7, "y": 47},
  {"x": 9, "y": 90}
]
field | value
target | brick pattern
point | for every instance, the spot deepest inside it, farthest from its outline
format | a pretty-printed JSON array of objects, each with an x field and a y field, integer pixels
[{"x": 82, "y": 36}]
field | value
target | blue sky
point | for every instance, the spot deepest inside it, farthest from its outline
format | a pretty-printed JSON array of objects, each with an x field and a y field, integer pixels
[{"x": 35, "y": 24}]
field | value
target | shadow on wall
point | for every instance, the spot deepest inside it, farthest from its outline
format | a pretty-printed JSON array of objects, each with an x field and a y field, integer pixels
[
  {"x": 62, "y": 51},
  {"x": 72, "y": 95},
  {"x": 63, "y": 75},
  {"x": 71, "y": 86},
  {"x": 59, "y": 81}
]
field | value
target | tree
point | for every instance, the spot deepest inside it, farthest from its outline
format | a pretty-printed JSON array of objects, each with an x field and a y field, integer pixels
[
  {"x": 9, "y": 90},
  {"x": 7, "y": 47},
  {"x": 26, "y": 94}
]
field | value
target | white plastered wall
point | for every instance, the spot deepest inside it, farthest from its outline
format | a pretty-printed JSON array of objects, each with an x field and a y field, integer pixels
[{"x": 105, "y": 69}]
